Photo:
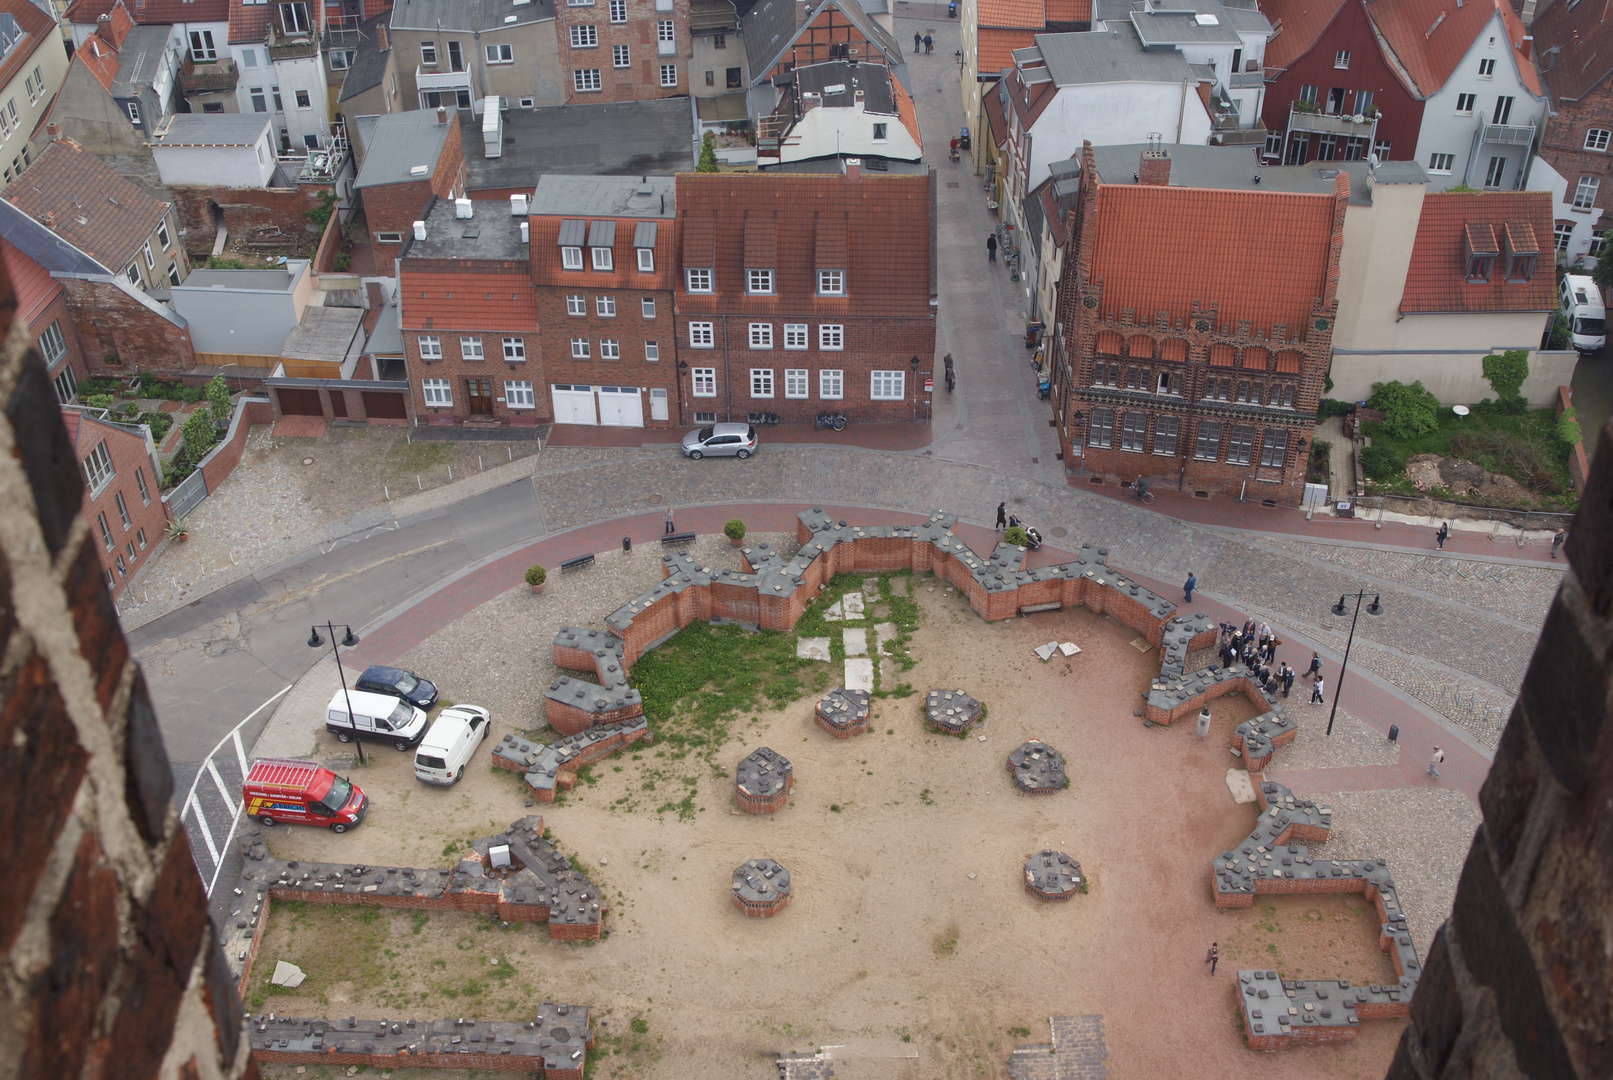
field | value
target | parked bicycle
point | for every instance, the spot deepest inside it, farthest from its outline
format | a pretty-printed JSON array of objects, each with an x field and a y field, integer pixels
[{"x": 831, "y": 420}]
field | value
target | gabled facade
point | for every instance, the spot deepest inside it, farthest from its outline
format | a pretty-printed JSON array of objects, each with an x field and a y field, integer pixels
[
  {"x": 838, "y": 108},
  {"x": 42, "y": 308},
  {"x": 33, "y": 63},
  {"x": 717, "y": 63},
  {"x": 206, "y": 74},
  {"x": 277, "y": 51},
  {"x": 991, "y": 30},
  {"x": 625, "y": 50},
  {"x": 803, "y": 294},
  {"x": 455, "y": 53},
  {"x": 782, "y": 35},
  {"x": 370, "y": 84},
  {"x": 1208, "y": 377},
  {"x": 1574, "y": 50},
  {"x": 604, "y": 257},
  {"x": 122, "y": 501}
]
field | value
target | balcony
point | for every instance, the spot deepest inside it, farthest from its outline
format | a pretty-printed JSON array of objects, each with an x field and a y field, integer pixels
[
  {"x": 217, "y": 77},
  {"x": 1509, "y": 134},
  {"x": 1245, "y": 80},
  {"x": 298, "y": 46},
  {"x": 1330, "y": 124},
  {"x": 712, "y": 16},
  {"x": 435, "y": 79}
]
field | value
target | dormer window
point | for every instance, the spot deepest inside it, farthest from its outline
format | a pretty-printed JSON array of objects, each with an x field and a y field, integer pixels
[
  {"x": 759, "y": 281},
  {"x": 1480, "y": 249},
  {"x": 571, "y": 258},
  {"x": 602, "y": 258},
  {"x": 294, "y": 18},
  {"x": 601, "y": 239},
  {"x": 572, "y": 232},
  {"x": 831, "y": 283},
  {"x": 1521, "y": 250},
  {"x": 644, "y": 246}
]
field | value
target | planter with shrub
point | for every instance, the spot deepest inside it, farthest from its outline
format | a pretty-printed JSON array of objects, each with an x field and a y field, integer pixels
[
  {"x": 735, "y": 531},
  {"x": 535, "y": 577}
]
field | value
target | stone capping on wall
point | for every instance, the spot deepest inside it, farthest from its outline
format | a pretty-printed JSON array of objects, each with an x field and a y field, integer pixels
[
  {"x": 554, "y": 766},
  {"x": 763, "y": 781},
  {"x": 1052, "y": 875},
  {"x": 553, "y": 1045},
  {"x": 843, "y": 713},
  {"x": 761, "y": 888},
  {"x": 1037, "y": 768}
]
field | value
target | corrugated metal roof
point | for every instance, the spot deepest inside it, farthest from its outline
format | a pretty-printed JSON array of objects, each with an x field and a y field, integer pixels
[
  {"x": 572, "y": 233},
  {"x": 601, "y": 234},
  {"x": 644, "y": 234},
  {"x": 400, "y": 142}
]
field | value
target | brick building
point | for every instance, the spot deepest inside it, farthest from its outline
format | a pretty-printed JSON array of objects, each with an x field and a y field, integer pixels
[
  {"x": 1574, "y": 48},
  {"x": 605, "y": 270},
  {"x": 1205, "y": 373},
  {"x": 42, "y": 309},
  {"x": 33, "y": 63},
  {"x": 624, "y": 50},
  {"x": 122, "y": 500},
  {"x": 410, "y": 159},
  {"x": 803, "y": 294},
  {"x": 469, "y": 319}
]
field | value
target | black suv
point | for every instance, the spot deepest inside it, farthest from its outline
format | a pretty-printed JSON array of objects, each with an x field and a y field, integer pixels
[{"x": 400, "y": 684}]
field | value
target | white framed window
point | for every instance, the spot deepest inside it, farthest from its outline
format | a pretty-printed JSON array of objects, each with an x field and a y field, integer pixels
[
  {"x": 470, "y": 348},
  {"x": 133, "y": 274},
  {"x": 1165, "y": 429},
  {"x": 430, "y": 347},
  {"x": 609, "y": 349},
  {"x": 1380, "y": 147},
  {"x": 437, "y": 393},
  {"x": 758, "y": 281},
  {"x": 133, "y": 110},
  {"x": 304, "y": 99},
  {"x": 1585, "y": 192},
  {"x": 602, "y": 258},
  {"x": 646, "y": 260},
  {"x": 652, "y": 352},
  {"x": 618, "y": 11},
  {"x": 106, "y": 536},
  {"x": 1562, "y": 233},
  {"x": 1341, "y": 59},
  {"x": 66, "y": 382},
  {"x": 52, "y": 346},
  {"x": 585, "y": 79},
  {"x": 605, "y": 306},
  {"x": 795, "y": 335},
  {"x": 831, "y": 384},
  {"x": 697, "y": 281},
  {"x": 584, "y": 37},
  {"x": 1594, "y": 252},
  {"x": 128, "y": 549},
  {"x": 579, "y": 3},
  {"x": 201, "y": 46},
  {"x": 669, "y": 75},
  {"x": 98, "y": 468},
  {"x": 140, "y": 535},
  {"x": 428, "y": 54},
  {"x": 887, "y": 385},
  {"x": 1496, "y": 172},
  {"x": 621, "y": 56},
  {"x": 162, "y": 236},
  {"x": 501, "y": 54},
  {"x": 761, "y": 335},
  {"x": 703, "y": 381},
  {"x": 1465, "y": 103},
  {"x": 1273, "y": 448},
  {"x": 1486, "y": 69},
  {"x": 795, "y": 382},
  {"x": 571, "y": 258},
  {"x": 514, "y": 350},
  {"x": 761, "y": 382},
  {"x": 831, "y": 337},
  {"x": 831, "y": 283},
  {"x": 518, "y": 394},
  {"x": 663, "y": 32},
  {"x": 881, "y": 132},
  {"x": 123, "y": 510},
  {"x": 576, "y": 305},
  {"x": 145, "y": 492},
  {"x": 1440, "y": 163},
  {"x": 151, "y": 260},
  {"x": 1596, "y": 139},
  {"x": 341, "y": 59},
  {"x": 700, "y": 335},
  {"x": 647, "y": 307},
  {"x": 579, "y": 348}
]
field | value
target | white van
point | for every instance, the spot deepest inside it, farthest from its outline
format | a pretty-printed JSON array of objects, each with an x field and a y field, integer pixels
[
  {"x": 1581, "y": 303},
  {"x": 374, "y": 716},
  {"x": 447, "y": 748}
]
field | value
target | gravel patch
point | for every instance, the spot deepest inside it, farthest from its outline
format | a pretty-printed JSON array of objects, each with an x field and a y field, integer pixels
[{"x": 1352, "y": 743}]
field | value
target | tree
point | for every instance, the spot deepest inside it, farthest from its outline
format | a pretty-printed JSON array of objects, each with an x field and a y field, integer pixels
[
  {"x": 1602, "y": 273},
  {"x": 218, "y": 400},
  {"x": 200, "y": 434},
  {"x": 1408, "y": 411},
  {"x": 708, "y": 155}
]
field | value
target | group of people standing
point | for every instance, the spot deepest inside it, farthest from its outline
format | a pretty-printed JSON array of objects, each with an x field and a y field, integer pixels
[{"x": 1255, "y": 647}]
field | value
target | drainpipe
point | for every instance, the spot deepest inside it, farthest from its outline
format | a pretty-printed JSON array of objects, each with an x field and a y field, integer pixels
[
  {"x": 1181, "y": 112},
  {"x": 727, "y": 383}
]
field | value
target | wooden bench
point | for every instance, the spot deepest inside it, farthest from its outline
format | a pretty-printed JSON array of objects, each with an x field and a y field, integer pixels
[{"x": 579, "y": 561}]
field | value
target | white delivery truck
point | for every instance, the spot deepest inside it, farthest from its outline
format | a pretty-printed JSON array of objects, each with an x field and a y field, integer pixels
[{"x": 1581, "y": 302}]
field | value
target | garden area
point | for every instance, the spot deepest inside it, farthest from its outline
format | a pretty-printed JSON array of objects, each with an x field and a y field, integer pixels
[
  {"x": 160, "y": 404},
  {"x": 1501, "y": 454}
]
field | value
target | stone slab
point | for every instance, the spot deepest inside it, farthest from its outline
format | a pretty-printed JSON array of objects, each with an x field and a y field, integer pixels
[
  {"x": 287, "y": 975},
  {"x": 1242, "y": 788},
  {"x": 812, "y": 648},
  {"x": 856, "y": 641},
  {"x": 884, "y": 632},
  {"x": 860, "y": 674},
  {"x": 871, "y": 589},
  {"x": 1046, "y": 651},
  {"x": 1069, "y": 648},
  {"x": 852, "y": 605}
]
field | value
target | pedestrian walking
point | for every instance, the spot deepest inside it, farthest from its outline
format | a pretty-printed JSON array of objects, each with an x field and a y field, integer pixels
[
  {"x": 1013, "y": 521},
  {"x": 1286, "y": 675},
  {"x": 1557, "y": 541},
  {"x": 1316, "y": 665},
  {"x": 1189, "y": 585},
  {"x": 1444, "y": 532},
  {"x": 918, "y": 41},
  {"x": 1213, "y": 957},
  {"x": 1435, "y": 762},
  {"x": 1002, "y": 516},
  {"x": 929, "y": 45},
  {"x": 991, "y": 248},
  {"x": 666, "y": 519},
  {"x": 1316, "y": 691}
]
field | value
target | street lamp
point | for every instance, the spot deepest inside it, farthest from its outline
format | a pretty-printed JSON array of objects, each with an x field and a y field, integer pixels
[
  {"x": 1339, "y": 609},
  {"x": 349, "y": 639}
]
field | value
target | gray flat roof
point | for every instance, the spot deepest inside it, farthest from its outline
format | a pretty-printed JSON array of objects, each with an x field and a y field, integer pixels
[
  {"x": 625, "y": 138},
  {"x": 399, "y": 142},
  {"x": 468, "y": 15},
  {"x": 1187, "y": 22},
  {"x": 832, "y": 164},
  {"x": 325, "y": 333},
  {"x": 838, "y": 81},
  {"x": 1108, "y": 56},
  {"x": 211, "y": 129},
  {"x": 140, "y": 57},
  {"x": 604, "y": 196},
  {"x": 1399, "y": 172},
  {"x": 256, "y": 280},
  {"x": 1231, "y": 168},
  {"x": 492, "y": 234},
  {"x": 387, "y": 337}
]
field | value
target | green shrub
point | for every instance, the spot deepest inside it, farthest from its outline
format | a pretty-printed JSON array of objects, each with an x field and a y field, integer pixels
[
  {"x": 1408, "y": 411},
  {"x": 200, "y": 434},
  {"x": 1506, "y": 372},
  {"x": 1331, "y": 407},
  {"x": 320, "y": 214},
  {"x": 1016, "y": 536},
  {"x": 734, "y": 529},
  {"x": 189, "y": 394},
  {"x": 1558, "y": 338},
  {"x": 218, "y": 262},
  {"x": 218, "y": 400},
  {"x": 536, "y": 575},
  {"x": 708, "y": 155},
  {"x": 158, "y": 422},
  {"x": 1380, "y": 463},
  {"x": 1568, "y": 428},
  {"x": 99, "y": 401}
]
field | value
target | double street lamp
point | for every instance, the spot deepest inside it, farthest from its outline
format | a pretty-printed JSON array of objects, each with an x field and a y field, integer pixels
[
  {"x": 1340, "y": 609},
  {"x": 349, "y": 639}
]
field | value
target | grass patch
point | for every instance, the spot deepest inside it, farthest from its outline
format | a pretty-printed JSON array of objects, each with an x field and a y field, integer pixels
[
  {"x": 946, "y": 942},
  {"x": 1526, "y": 446},
  {"x": 1020, "y": 1032},
  {"x": 415, "y": 457}
]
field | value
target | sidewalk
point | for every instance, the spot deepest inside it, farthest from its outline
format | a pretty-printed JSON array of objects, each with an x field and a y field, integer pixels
[{"x": 867, "y": 436}]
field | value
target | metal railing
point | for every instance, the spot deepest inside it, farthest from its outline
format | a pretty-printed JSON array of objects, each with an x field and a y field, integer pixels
[
  {"x": 219, "y": 75},
  {"x": 1501, "y": 516},
  {"x": 1509, "y": 134},
  {"x": 1332, "y": 124}
]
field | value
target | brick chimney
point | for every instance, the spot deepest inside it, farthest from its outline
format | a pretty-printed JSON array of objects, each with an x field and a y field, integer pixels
[
  {"x": 854, "y": 169},
  {"x": 1154, "y": 168},
  {"x": 1527, "y": 46},
  {"x": 442, "y": 115},
  {"x": 54, "y": 130},
  {"x": 50, "y": 219},
  {"x": 382, "y": 42}
]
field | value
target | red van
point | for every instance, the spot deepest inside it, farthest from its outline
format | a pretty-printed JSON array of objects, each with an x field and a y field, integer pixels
[{"x": 290, "y": 791}]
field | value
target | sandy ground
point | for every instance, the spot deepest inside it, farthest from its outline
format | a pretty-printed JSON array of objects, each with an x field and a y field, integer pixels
[{"x": 908, "y": 921}]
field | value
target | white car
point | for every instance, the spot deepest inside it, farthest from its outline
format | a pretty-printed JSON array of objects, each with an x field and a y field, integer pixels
[{"x": 447, "y": 749}]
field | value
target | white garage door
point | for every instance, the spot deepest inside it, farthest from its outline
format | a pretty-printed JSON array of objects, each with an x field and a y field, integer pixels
[
  {"x": 620, "y": 406},
  {"x": 573, "y": 404}
]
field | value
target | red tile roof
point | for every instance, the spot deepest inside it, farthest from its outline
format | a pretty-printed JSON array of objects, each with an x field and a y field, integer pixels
[
  {"x": 1584, "y": 36},
  {"x": 1298, "y": 23},
  {"x": 94, "y": 209},
  {"x": 86, "y": 12},
  {"x": 1068, "y": 11},
  {"x": 459, "y": 298},
  {"x": 545, "y": 248},
  {"x": 996, "y": 116},
  {"x": 249, "y": 22},
  {"x": 1015, "y": 13},
  {"x": 1259, "y": 255},
  {"x": 40, "y": 28},
  {"x": 1430, "y": 37},
  {"x": 117, "y": 27},
  {"x": 905, "y": 112},
  {"x": 70, "y": 419},
  {"x": 1436, "y": 279},
  {"x": 995, "y": 47},
  {"x": 99, "y": 59},
  {"x": 34, "y": 286},
  {"x": 887, "y": 223},
  {"x": 161, "y": 12}
]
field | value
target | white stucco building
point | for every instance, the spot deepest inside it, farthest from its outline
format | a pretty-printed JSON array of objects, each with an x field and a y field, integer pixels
[
  {"x": 276, "y": 48},
  {"x": 856, "y": 110}
]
